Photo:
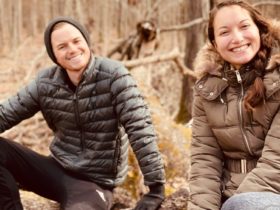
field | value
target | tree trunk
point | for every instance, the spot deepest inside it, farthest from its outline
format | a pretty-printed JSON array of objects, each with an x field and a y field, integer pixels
[
  {"x": 195, "y": 38},
  {"x": 17, "y": 24}
]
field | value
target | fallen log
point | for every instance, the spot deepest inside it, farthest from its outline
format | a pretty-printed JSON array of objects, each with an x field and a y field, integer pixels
[
  {"x": 174, "y": 55},
  {"x": 152, "y": 59}
]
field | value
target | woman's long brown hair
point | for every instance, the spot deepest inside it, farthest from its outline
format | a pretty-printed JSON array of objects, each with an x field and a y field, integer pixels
[{"x": 255, "y": 93}]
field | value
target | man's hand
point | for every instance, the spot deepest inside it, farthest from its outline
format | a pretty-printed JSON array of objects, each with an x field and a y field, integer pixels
[{"x": 153, "y": 199}]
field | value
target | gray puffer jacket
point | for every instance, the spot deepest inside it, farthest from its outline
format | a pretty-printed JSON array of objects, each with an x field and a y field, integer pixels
[{"x": 91, "y": 125}]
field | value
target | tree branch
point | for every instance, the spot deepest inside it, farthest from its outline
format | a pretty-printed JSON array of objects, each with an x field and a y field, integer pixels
[
  {"x": 184, "y": 26},
  {"x": 266, "y": 3},
  {"x": 173, "y": 55}
]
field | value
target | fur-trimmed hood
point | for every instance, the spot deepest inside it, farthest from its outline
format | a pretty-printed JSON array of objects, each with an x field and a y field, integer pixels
[{"x": 208, "y": 61}]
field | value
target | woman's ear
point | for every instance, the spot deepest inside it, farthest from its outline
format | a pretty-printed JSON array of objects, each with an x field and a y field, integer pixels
[{"x": 214, "y": 44}]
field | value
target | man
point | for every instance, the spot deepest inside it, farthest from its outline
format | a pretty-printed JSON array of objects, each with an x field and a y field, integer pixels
[{"x": 95, "y": 110}]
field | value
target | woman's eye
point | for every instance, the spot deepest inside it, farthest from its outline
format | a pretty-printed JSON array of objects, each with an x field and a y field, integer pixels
[
  {"x": 222, "y": 33},
  {"x": 245, "y": 26}
]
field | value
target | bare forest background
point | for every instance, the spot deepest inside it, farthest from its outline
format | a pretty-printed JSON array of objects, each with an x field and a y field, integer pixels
[{"x": 164, "y": 76}]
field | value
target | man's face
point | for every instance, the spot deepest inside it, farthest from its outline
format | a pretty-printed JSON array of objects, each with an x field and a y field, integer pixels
[{"x": 70, "y": 48}]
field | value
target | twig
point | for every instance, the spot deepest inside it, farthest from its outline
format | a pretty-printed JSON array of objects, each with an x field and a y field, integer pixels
[
  {"x": 152, "y": 59},
  {"x": 184, "y": 70},
  {"x": 150, "y": 12},
  {"x": 184, "y": 26},
  {"x": 266, "y": 3},
  {"x": 173, "y": 55},
  {"x": 121, "y": 44},
  {"x": 34, "y": 64}
]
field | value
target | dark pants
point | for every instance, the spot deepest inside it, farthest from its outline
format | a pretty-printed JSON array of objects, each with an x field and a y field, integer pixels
[{"x": 20, "y": 166}]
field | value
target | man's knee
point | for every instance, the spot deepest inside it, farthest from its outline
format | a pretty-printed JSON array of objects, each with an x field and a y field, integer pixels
[
  {"x": 4, "y": 147},
  {"x": 87, "y": 195},
  {"x": 5, "y": 144}
]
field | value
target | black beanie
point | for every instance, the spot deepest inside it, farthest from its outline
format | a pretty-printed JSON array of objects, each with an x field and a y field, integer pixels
[{"x": 49, "y": 30}]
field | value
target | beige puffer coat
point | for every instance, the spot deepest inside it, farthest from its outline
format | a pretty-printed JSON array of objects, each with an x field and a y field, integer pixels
[{"x": 231, "y": 150}]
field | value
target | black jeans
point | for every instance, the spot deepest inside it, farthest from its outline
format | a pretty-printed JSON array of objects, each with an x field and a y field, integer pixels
[{"x": 20, "y": 166}]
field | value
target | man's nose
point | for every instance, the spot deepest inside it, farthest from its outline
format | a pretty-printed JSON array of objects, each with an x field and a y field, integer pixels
[{"x": 72, "y": 47}]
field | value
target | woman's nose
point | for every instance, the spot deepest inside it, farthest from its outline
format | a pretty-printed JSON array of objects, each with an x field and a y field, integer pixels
[{"x": 237, "y": 36}]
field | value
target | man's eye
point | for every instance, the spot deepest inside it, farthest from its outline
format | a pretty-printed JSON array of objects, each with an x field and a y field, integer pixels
[{"x": 61, "y": 47}]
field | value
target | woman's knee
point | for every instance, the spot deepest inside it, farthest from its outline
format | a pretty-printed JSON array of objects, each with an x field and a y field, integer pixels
[{"x": 253, "y": 201}]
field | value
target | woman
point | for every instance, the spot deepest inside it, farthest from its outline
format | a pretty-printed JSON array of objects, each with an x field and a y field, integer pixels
[{"x": 236, "y": 137}]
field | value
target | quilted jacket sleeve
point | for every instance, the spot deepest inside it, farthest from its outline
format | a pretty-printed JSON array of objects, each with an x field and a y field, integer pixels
[
  {"x": 135, "y": 117},
  {"x": 206, "y": 163},
  {"x": 21, "y": 106},
  {"x": 265, "y": 177}
]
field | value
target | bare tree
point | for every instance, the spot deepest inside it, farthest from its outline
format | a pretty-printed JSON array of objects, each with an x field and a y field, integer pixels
[
  {"x": 17, "y": 23},
  {"x": 195, "y": 38}
]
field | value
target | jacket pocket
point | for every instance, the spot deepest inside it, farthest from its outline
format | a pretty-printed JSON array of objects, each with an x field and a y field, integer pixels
[{"x": 116, "y": 154}]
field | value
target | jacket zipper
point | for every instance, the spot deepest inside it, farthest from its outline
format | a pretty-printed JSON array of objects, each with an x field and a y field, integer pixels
[
  {"x": 245, "y": 138},
  {"x": 117, "y": 152},
  {"x": 78, "y": 121},
  {"x": 116, "y": 157}
]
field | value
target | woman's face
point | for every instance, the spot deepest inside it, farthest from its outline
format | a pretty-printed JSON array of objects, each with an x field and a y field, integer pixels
[{"x": 237, "y": 37}]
